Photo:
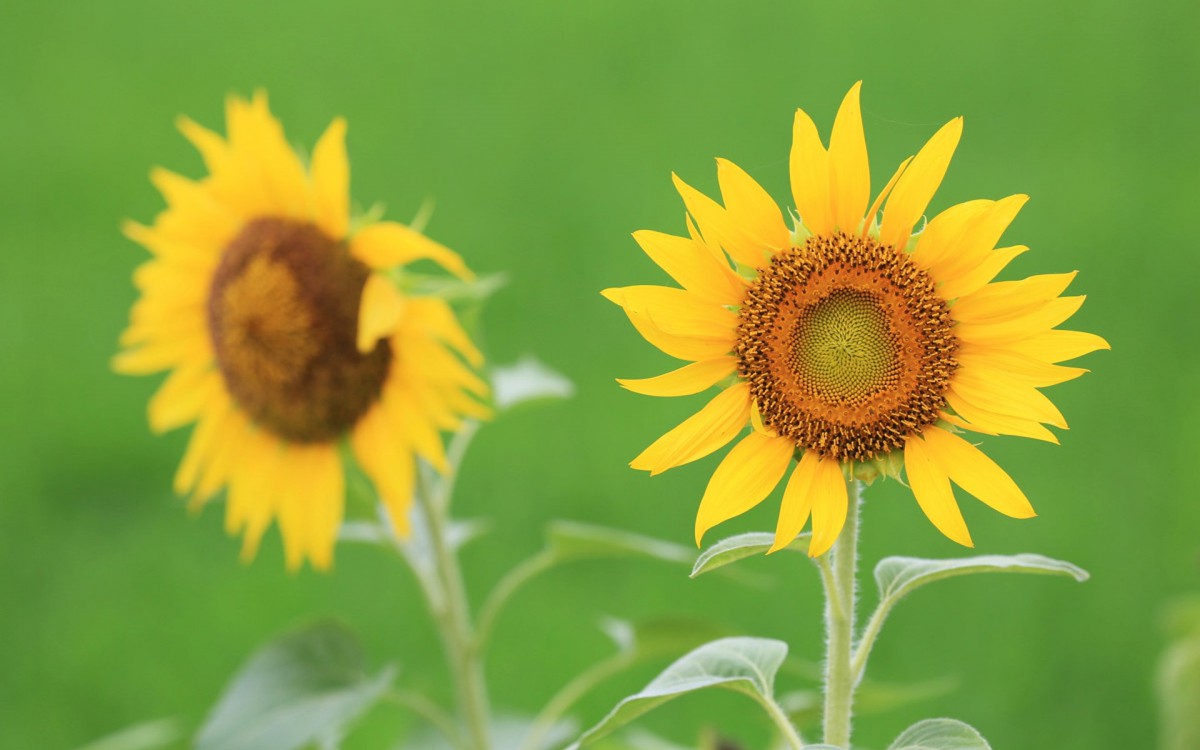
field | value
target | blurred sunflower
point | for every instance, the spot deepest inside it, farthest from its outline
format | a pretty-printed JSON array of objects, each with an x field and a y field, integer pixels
[
  {"x": 850, "y": 344},
  {"x": 284, "y": 335}
]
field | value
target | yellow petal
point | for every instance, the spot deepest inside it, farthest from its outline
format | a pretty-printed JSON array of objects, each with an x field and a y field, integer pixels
[
  {"x": 1006, "y": 396},
  {"x": 990, "y": 423},
  {"x": 1008, "y": 331},
  {"x": 254, "y": 490},
  {"x": 970, "y": 469},
  {"x": 849, "y": 172},
  {"x": 917, "y": 185},
  {"x": 331, "y": 180},
  {"x": 207, "y": 432},
  {"x": 379, "y": 312},
  {"x": 283, "y": 173},
  {"x": 386, "y": 459},
  {"x": 1059, "y": 346},
  {"x": 438, "y": 319},
  {"x": 700, "y": 434},
  {"x": 691, "y": 264},
  {"x": 797, "y": 502},
  {"x": 222, "y": 460},
  {"x": 995, "y": 262},
  {"x": 830, "y": 503},
  {"x": 751, "y": 207},
  {"x": 1005, "y": 299},
  {"x": 676, "y": 311},
  {"x": 1000, "y": 364},
  {"x": 681, "y": 347},
  {"x": 718, "y": 227},
  {"x": 743, "y": 479},
  {"x": 931, "y": 487},
  {"x": 944, "y": 231},
  {"x": 183, "y": 397},
  {"x": 685, "y": 381},
  {"x": 312, "y": 504},
  {"x": 809, "y": 166},
  {"x": 386, "y": 244},
  {"x": 869, "y": 221},
  {"x": 979, "y": 239}
]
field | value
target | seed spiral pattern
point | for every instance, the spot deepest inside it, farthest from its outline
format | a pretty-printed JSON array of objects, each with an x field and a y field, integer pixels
[{"x": 847, "y": 347}]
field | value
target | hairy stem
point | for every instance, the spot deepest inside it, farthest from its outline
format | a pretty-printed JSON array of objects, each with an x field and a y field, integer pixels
[
  {"x": 454, "y": 620},
  {"x": 839, "y": 625}
]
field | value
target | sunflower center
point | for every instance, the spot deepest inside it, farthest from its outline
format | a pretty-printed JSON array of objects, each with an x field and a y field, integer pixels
[
  {"x": 847, "y": 347},
  {"x": 283, "y": 315}
]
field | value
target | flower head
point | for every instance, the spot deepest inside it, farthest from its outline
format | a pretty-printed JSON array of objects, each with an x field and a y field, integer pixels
[
  {"x": 284, "y": 336},
  {"x": 850, "y": 344}
]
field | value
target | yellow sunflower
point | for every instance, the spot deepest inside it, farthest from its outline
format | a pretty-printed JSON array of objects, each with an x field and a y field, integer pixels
[
  {"x": 284, "y": 334},
  {"x": 849, "y": 343}
]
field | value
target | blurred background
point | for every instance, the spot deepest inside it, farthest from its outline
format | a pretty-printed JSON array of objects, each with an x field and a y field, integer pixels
[{"x": 546, "y": 132}]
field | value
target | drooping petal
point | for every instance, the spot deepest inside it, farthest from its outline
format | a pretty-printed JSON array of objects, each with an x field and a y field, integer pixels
[
  {"x": 700, "y": 434},
  {"x": 751, "y": 207},
  {"x": 437, "y": 319},
  {"x": 685, "y": 381},
  {"x": 386, "y": 459},
  {"x": 830, "y": 504},
  {"x": 797, "y": 502},
  {"x": 917, "y": 185},
  {"x": 808, "y": 164},
  {"x": 183, "y": 397},
  {"x": 931, "y": 487},
  {"x": 849, "y": 171},
  {"x": 387, "y": 243},
  {"x": 331, "y": 180},
  {"x": 970, "y": 469},
  {"x": 379, "y": 312},
  {"x": 311, "y": 504},
  {"x": 743, "y": 479}
]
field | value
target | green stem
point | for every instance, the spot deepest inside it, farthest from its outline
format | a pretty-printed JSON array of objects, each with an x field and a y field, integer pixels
[
  {"x": 785, "y": 726},
  {"x": 863, "y": 651},
  {"x": 430, "y": 711},
  {"x": 570, "y": 693},
  {"x": 503, "y": 591},
  {"x": 839, "y": 625},
  {"x": 454, "y": 620}
]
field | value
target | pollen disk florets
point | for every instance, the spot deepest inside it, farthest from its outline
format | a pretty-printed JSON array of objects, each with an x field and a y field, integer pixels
[
  {"x": 847, "y": 347},
  {"x": 283, "y": 315}
]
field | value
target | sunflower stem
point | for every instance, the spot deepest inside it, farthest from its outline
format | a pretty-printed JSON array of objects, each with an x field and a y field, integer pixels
[
  {"x": 840, "y": 595},
  {"x": 454, "y": 619}
]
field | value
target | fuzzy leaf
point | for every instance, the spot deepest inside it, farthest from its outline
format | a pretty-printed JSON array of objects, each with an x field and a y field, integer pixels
[
  {"x": 940, "y": 734},
  {"x": 739, "y": 547},
  {"x": 744, "y": 665},
  {"x": 304, "y": 687},
  {"x": 899, "y": 576},
  {"x": 152, "y": 735}
]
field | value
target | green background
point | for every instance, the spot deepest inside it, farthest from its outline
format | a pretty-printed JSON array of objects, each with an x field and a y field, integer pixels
[{"x": 547, "y": 133}]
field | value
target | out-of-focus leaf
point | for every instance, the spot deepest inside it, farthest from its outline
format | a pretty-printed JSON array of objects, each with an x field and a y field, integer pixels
[
  {"x": 734, "y": 548},
  {"x": 571, "y": 540},
  {"x": 151, "y": 735},
  {"x": 900, "y": 576},
  {"x": 940, "y": 734},
  {"x": 527, "y": 380},
  {"x": 744, "y": 665},
  {"x": 447, "y": 287},
  {"x": 658, "y": 636},
  {"x": 506, "y": 732},
  {"x": 1178, "y": 678},
  {"x": 305, "y": 687}
]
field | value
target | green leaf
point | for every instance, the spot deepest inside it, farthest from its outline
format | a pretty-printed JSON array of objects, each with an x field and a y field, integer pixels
[
  {"x": 899, "y": 576},
  {"x": 1178, "y": 679},
  {"x": 744, "y": 665},
  {"x": 527, "y": 379},
  {"x": 152, "y": 735},
  {"x": 571, "y": 540},
  {"x": 940, "y": 734},
  {"x": 304, "y": 687},
  {"x": 734, "y": 548},
  {"x": 660, "y": 636}
]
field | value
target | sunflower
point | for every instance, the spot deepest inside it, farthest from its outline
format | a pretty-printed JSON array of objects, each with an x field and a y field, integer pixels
[
  {"x": 851, "y": 344},
  {"x": 285, "y": 336}
]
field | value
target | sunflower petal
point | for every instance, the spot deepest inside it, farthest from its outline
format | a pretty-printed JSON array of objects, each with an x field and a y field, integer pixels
[
  {"x": 830, "y": 504},
  {"x": 718, "y": 227},
  {"x": 751, "y": 207},
  {"x": 849, "y": 171},
  {"x": 808, "y": 163},
  {"x": 685, "y": 381},
  {"x": 931, "y": 487},
  {"x": 331, "y": 180},
  {"x": 970, "y": 469},
  {"x": 743, "y": 479},
  {"x": 677, "y": 311},
  {"x": 693, "y": 266},
  {"x": 379, "y": 312},
  {"x": 386, "y": 244},
  {"x": 797, "y": 502},
  {"x": 917, "y": 185},
  {"x": 700, "y": 434},
  {"x": 1059, "y": 346}
]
